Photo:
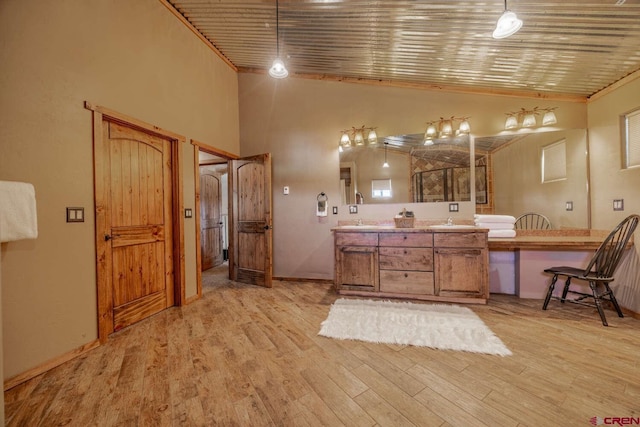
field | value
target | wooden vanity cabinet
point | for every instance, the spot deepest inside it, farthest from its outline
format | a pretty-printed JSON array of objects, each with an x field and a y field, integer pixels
[
  {"x": 417, "y": 264},
  {"x": 405, "y": 261},
  {"x": 461, "y": 265},
  {"x": 356, "y": 261}
]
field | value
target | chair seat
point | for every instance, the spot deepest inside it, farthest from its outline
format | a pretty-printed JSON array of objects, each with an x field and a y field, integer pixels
[{"x": 577, "y": 273}]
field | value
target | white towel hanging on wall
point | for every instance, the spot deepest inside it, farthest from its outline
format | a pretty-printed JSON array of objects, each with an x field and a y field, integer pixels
[{"x": 18, "y": 217}]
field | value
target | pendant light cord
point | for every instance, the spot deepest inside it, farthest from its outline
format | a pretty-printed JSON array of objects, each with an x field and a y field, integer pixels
[{"x": 278, "y": 28}]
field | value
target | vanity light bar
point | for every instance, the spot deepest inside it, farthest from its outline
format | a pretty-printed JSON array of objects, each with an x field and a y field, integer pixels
[
  {"x": 443, "y": 128},
  {"x": 527, "y": 118}
]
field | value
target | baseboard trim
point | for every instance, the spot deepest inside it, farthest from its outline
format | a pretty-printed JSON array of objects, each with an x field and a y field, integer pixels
[
  {"x": 192, "y": 299},
  {"x": 297, "y": 279},
  {"x": 46, "y": 366}
]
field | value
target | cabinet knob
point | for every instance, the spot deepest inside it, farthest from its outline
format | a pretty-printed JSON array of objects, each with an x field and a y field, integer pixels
[
  {"x": 406, "y": 275},
  {"x": 405, "y": 251}
]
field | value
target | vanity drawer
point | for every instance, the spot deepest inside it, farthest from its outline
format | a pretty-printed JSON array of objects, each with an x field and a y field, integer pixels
[
  {"x": 460, "y": 240},
  {"x": 419, "y": 259},
  {"x": 407, "y": 282},
  {"x": 406, "y": 239},
  {"x": 356, "y": 239}
]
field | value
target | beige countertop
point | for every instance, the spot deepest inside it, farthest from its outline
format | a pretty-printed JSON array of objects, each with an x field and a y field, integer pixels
[
  {"x": 422, "y": 229},
  {"x": 561, "y": 240}
]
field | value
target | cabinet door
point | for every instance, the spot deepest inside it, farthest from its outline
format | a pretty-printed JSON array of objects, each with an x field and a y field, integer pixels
[
  {"x": 461, "y": 272},
  {"x": 357, "y": 268}
]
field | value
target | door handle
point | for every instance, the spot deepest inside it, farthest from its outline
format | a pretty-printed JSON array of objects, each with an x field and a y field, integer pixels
[
  {"x": 267, "y": 227},
  {"x": 107, "y": 237}
]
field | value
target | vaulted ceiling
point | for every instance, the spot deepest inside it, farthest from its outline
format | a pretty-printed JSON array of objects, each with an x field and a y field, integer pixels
[{"x": 569, "y": 49}]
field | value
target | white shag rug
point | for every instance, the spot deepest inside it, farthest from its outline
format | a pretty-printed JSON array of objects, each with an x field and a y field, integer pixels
[{"x": 441, "y": 326}]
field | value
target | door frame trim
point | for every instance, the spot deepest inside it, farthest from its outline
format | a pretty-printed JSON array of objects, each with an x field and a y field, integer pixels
[
  {"x": 201, "y": 146},
  {"x": 105, "y": 323}
]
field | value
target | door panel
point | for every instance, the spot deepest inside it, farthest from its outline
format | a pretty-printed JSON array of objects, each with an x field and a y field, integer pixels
[
  {"x": 137, "y": 191},
  {"x": 210, "y": 219},
  {"x": 250, "y": 257}
]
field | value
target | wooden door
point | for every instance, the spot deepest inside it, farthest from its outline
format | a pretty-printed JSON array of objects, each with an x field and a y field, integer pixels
[
  {"x": 134, "y": 225},
  {"x": 210, "y": 219},
  {"x": 250, "y": 254}
]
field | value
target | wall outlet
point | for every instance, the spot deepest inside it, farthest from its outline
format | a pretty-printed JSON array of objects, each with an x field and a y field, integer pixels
[{"x": 285, "y": 190}]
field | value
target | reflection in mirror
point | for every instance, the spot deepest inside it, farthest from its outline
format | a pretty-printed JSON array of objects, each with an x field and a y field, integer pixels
[
  {"x": 416, "y": 172},
  {"x": 517, "y": 186}
]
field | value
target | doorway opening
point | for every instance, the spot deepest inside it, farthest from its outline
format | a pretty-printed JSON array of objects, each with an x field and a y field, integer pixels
[{"x": 211, "y": 214}]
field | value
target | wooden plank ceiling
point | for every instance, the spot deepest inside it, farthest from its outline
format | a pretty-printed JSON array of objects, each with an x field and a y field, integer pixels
[{"x": 567, "y": 49}]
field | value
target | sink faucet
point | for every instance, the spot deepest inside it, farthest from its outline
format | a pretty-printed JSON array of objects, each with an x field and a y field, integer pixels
[
  {"x": 449, "y": 221},
  {"x": 359, "y": 222}
]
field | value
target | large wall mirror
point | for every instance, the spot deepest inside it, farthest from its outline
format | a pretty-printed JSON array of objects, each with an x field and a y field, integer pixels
[
  {"x": 402, "y": 169},
  {"x": 518, "y": 181},
  {"x": 507, "y": 174}
]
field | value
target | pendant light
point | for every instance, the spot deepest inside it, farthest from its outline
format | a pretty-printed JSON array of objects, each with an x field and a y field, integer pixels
[
  {"x": 385, "y": 164},
  {"x": 507, "y": 25},
  {"x": 278, "y": 70}
]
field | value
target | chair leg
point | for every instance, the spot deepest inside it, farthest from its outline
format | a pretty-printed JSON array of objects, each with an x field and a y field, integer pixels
[
  {"x": 596, "y": 297},
  {"x": 567, "y": 283},
  {"x": 613, "y": 299},
  {"x": 550, "y": 291}
]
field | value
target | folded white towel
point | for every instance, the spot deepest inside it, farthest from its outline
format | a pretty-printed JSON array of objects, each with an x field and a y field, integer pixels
[
  {"x": 501, "y": 233},
  {"x": 18, "y": 219},
  {"x": 495, "y": 218},
  {"x": 495, "y": 225}
]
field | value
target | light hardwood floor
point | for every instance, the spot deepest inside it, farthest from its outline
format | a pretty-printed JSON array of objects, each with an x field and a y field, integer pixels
[{"x": 248, "y": 356}]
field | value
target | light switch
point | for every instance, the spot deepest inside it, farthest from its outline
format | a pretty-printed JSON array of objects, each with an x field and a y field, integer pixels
[
  {"x": 618, "y": 205},
  {"x": 453, "y": 207},
  {"x": 335, "y": 210},
  {"x": 569, "y": 206},
  {"x": 285, "y": 191},
  {"x": 75, "y": 214},
  {"x": 188, "y": 213}
]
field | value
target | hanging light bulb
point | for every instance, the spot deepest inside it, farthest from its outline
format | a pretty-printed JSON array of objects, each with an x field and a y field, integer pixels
[
  {"x": 430, "y": 133},
  {"x": 345, "y": 140},
  {"x": 511, "y": 123},
  {"x": 507, "y": 25},
  {"x": 529, "y": 119},
  {"x": 372, "y": 138},
  {"x": 278, "y": 70},
  {"x": 464, "y": 128},
  {"x": 359, "y": 137},
  {"x": 447, "y": 129},
  {"x": 549, "y": 118},
  {"x": 385, "y": 164}
]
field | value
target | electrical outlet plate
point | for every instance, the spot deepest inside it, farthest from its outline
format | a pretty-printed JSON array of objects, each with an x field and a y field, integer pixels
[
  {"x": 335, "y": 210},
  {"x": 618, "y": 205},
  {"x": 453, "y": 207},
  {"x": 188, "y": 213}
]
